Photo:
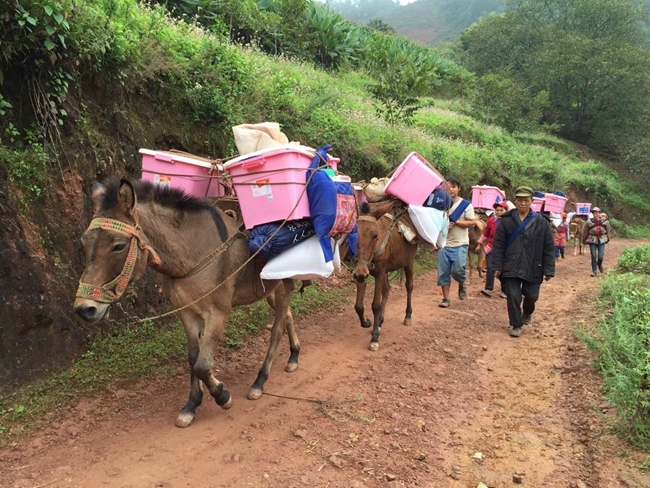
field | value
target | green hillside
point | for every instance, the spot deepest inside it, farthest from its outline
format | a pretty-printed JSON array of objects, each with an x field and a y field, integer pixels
[{"x": 425, "y": 21}]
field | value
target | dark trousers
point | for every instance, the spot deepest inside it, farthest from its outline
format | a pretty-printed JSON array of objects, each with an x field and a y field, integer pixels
[
  {"x": 559, "y": 251},
  {"x": 489, "y": 275},
  {"x": 515, "y": 288},
  {"x": 597, "y": 256}
]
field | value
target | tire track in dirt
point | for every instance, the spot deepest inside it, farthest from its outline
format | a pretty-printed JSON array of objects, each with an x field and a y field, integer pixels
[{"x": 412, "y": 414}]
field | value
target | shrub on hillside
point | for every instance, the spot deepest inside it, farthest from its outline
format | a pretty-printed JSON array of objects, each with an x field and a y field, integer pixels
[{"x": 635, "y": 260}]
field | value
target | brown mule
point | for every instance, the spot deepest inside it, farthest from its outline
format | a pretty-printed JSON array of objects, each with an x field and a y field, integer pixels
[
  {"x": 577, "y": 229},
  {"x": 196, "y": 247},
  {"x": 381, "y": 248}
]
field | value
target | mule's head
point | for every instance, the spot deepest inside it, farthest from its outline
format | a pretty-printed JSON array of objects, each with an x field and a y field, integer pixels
[
  {"x": 369, "y": 240},
  {"x": 114, "y": 250}
]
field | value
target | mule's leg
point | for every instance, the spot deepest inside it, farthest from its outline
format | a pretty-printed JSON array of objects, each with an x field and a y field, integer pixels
[
  {"x": 215, "y": 322},
  {"x": 470, "y": 260},
  {"x": 576, "y": 243},
  {"x": 408, "y": 273},
  {"x": 282, "y": 303},
  {"x": 294, "y": 344},
  {"x": 381, "y": 281},
  {"x": 192, "y": 323},
  {"x": 358, "y": 306}
]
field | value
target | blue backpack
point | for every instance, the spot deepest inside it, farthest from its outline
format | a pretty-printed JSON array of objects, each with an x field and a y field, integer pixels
[{"x": 439, "y": 199}]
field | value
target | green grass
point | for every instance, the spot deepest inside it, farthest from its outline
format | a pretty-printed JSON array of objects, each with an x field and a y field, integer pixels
[
  {"x": 134, "y": 353},
  {"x": 621, "y": 342}
]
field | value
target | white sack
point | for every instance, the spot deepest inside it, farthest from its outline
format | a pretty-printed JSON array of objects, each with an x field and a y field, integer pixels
[
  {"x": 431, "y": 224},
  {"x": 303, "y": 261}
]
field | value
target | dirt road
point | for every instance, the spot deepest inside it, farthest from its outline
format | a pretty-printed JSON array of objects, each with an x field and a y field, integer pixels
[{"x": 451, "y": 401}]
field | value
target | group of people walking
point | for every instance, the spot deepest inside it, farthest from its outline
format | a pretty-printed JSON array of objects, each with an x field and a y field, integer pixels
[{"x": 521, "y": 248}]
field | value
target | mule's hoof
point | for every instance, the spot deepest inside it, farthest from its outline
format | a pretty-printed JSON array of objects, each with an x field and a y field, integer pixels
[
  {"x": 291, "y": 367},
  {"x": 184, "y": 419},
  {"x": 407, "y": 322},
  {"x": 374, "y": 346},
  {"x": 367, "y": 324},
  {"x": 255, "y": 394},
  {"x": 224, "y": 400}
]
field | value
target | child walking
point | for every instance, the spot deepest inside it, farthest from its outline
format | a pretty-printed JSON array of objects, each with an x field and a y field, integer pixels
[{"x": 560, "y": 237}]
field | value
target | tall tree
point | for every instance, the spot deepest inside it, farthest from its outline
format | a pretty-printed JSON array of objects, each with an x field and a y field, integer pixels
[{"x": 587, "y": 54}]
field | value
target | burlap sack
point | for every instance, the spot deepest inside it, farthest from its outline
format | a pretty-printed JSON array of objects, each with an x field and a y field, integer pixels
[
  {"x": 255, "y": 137},
  {"x": 376, "y": 190}
]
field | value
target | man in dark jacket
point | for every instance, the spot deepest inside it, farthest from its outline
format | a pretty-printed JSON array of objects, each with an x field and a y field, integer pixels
[{"x": 522, "y": 256}]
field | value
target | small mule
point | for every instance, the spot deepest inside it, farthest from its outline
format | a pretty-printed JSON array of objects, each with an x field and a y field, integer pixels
[{"x": 381, "y": 248}]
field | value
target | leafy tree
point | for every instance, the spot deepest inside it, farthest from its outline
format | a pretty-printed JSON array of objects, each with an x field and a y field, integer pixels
[
  {"x": 503, "y": 101},
  {"x": 587, "y": 54},
  {"x": 402, "y": 76},
  {"x": 380, "y": 26}
]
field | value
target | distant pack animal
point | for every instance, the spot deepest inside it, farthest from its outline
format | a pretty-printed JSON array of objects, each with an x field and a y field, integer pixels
[
  {"x": 197, "y": 248},
  {"x": 382, "y": 248},
  {"x": 474, "y": 235},
  {"x": 577, "y": 230}
]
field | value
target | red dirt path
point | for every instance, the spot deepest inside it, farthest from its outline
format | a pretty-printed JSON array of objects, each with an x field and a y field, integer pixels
[{"x": 414, "y": 414}]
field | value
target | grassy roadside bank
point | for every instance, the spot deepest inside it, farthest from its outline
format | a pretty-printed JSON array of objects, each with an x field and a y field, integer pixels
[{"x": 621, "y": 343}]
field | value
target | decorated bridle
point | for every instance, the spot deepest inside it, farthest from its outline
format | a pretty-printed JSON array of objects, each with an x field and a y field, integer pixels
[{"x": 105, "y": 293}]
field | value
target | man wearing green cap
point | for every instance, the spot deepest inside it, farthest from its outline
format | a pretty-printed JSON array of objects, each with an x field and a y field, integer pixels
[{"x": 523, "y": 254}]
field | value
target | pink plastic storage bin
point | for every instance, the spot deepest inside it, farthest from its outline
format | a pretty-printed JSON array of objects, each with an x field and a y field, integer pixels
[
  {"x": 583, "y": 208},
  {"x": 538, "y": 204},
  {"x": 359, "y": 194},
  {"x": 486, "y": 196},
  {"x": 270, "y": 183},
  {"x": 413, "y": 180},
  {"x": 193, "y": 176},
  {"x": 554, "y": 203}
]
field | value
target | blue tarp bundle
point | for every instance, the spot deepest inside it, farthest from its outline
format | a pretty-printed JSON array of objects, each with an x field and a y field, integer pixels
[
  {"x": 329, "y": 202},
  {"x": 538, "y": 194},
  {"x": 292, "y": 233},
  {"x": 559, "y": 193}
]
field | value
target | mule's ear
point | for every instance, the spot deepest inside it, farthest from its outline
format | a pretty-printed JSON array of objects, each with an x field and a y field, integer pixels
[
  {"x": 97, "y": 192},
  {"x": 384, "y": 209},
  {"x": 127, "y": 198}
]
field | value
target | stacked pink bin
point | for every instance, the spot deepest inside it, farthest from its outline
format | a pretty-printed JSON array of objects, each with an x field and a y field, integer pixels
[
  {"x": 271, "y": 184},
  {"x": 538, "y": 204},
  {"x": 484, "y": 196},
  {"x": 197, "y": 177},
  {"x": 554, "y": 203},
  {"x": 413, "y": 180}
]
